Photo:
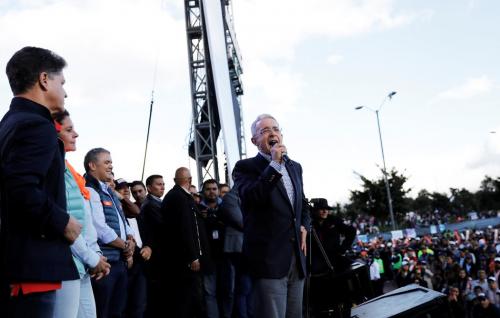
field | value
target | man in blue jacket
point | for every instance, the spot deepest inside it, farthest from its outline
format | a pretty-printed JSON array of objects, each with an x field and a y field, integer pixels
[
  {"x": 276, "y": 216},
  {"x": 114, "y": 235},
  {"x": 36, "y": 231}
]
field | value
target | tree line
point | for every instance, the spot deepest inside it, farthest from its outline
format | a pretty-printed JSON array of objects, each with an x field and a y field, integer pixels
[{"x": 372, "y": 198}]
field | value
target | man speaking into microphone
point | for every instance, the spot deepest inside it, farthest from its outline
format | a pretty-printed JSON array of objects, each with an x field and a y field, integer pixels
[{"x": 276, "y": 216}]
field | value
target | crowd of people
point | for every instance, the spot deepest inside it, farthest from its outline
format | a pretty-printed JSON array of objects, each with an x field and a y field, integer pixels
[
  {"x": 465, "y": 266},
  {"x": 368, "y": 224}
]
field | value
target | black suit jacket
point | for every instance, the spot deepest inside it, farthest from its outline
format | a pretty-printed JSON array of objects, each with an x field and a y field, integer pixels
[
  {"x": 271, "y": 222},
  {"x": 33, "y": 197},
  {"x": 150, "y": 223},
  {"x": 329, "y": 233},
  {"x": 183, "y": 236}
]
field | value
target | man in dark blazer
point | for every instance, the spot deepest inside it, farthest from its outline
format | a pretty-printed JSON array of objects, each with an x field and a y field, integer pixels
[
  {"x": 237, "y": 292},
  {"x": 36, "y": 231},
  {"x": 151, "y": 221},
  {"x": 184, "y": 252},
  {"x": 276, "y": 216}
]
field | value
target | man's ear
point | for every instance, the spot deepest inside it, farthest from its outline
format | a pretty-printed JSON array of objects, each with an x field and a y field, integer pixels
[
  {"x": 92, "y": 166},
  {"x": 254, "y": 141},
  {"x": 43, "y": 81}
]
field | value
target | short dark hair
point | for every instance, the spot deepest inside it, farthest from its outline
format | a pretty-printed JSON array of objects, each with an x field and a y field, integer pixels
[
  {"x": 25, "y": 66},
  {"x": 209, "y": 181},
  {"x": 134, "y": 183},
  {"x": 152, "y": 178},
  {"x": 91, "y": 156},
  {"x": 60, "y": 116},
  {"x": 222, "y": 185}
]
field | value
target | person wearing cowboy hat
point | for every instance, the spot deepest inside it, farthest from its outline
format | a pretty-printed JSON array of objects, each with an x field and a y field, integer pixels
[{"x": 329, "y": 229}]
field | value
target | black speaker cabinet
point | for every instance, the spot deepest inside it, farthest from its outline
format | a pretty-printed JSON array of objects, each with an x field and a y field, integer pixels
[
  {"x": 327, "y": 291},
  {"x": 412, "y": 301}
]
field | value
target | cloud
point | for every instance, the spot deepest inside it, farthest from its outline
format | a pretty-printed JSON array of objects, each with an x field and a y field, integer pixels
[
  {"x": 284, "y": 24},
  {"x": 270, "y": 88},
  {"x": 471, "y": 88},
  {"x": 489, "y": 156},
  {"x": 270, "y": 33},
  {"x": 112, "y": 48},
  {"x": 334, "y": 59}
]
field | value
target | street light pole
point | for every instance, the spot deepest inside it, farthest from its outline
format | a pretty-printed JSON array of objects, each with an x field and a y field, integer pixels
[
  {"x": 386, "y": 181},
  {"x": 388, "y": 190}
]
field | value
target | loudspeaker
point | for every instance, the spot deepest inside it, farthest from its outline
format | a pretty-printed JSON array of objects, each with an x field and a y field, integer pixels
[
  {"x": 329, "y": 292},
  {"x": 412, "y": 301}
]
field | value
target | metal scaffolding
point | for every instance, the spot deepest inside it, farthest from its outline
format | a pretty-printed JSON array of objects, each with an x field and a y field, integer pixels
[{"x": 206, "y": 125}]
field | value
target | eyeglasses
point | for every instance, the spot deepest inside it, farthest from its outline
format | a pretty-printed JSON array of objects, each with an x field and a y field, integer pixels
[{"x": 268, "y": 130}]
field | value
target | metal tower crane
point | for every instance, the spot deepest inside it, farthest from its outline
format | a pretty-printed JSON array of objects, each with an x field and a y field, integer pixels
[{"x": 216, "y": 87}]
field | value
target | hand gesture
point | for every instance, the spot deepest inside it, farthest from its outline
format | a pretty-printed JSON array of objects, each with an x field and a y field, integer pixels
[
  {"x": 128, "y": 251},
  {"x": 195, "y": 265},
  {"x": 303, "y": 239},
  {"x": 72, "y": 229},
  {"x": 101, "y": 269},
  {"x": 277, "y": 152},
  {"x": 146, "y": 253}
]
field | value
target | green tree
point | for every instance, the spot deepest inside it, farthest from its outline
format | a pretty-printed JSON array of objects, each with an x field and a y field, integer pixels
[
  {"x": 372, "y": 198},
  {"x": 440, "y": 202},
  {"x": 423, "y": 202},
  {"x": 488, "y": 196},
  {"x": 462, "y": 201}
]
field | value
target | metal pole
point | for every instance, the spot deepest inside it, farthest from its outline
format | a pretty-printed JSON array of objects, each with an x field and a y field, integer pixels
[
  {"x": 389, "y": 200},
  {"x": 147, "y": 136}
]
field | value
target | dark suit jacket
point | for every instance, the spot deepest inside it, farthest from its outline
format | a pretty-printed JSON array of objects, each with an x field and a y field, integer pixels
[
  {"x": 230, "y": 213},
  {"x": 150, "y": 223},
  {"x": 271, "y": 222},
  {"x": 33, "y": 197},
  {"x": 183, "y": 236},
  {"x": 329, "y": 233}
]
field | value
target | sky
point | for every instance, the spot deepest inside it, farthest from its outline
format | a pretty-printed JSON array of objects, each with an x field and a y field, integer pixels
[{"x": 309, "y": 63}]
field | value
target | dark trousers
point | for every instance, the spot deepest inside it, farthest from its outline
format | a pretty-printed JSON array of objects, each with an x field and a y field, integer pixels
[
  {"x": 110, "y": 292},
  {"x": 137, "y": 290},
  {"x": 37, "y": 305},
  {"x": 187, "y": 289},
  {"x": 156, "y": 298},
  {"x": 229, "y": 285},
  {"x": 237, "y": 287},
  {"x": 378, "y": 287},
  {"x": 4, "y": 295}
]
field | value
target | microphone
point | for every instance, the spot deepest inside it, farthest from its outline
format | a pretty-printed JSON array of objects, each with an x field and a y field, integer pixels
[{"x": 284, "y": 156}]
